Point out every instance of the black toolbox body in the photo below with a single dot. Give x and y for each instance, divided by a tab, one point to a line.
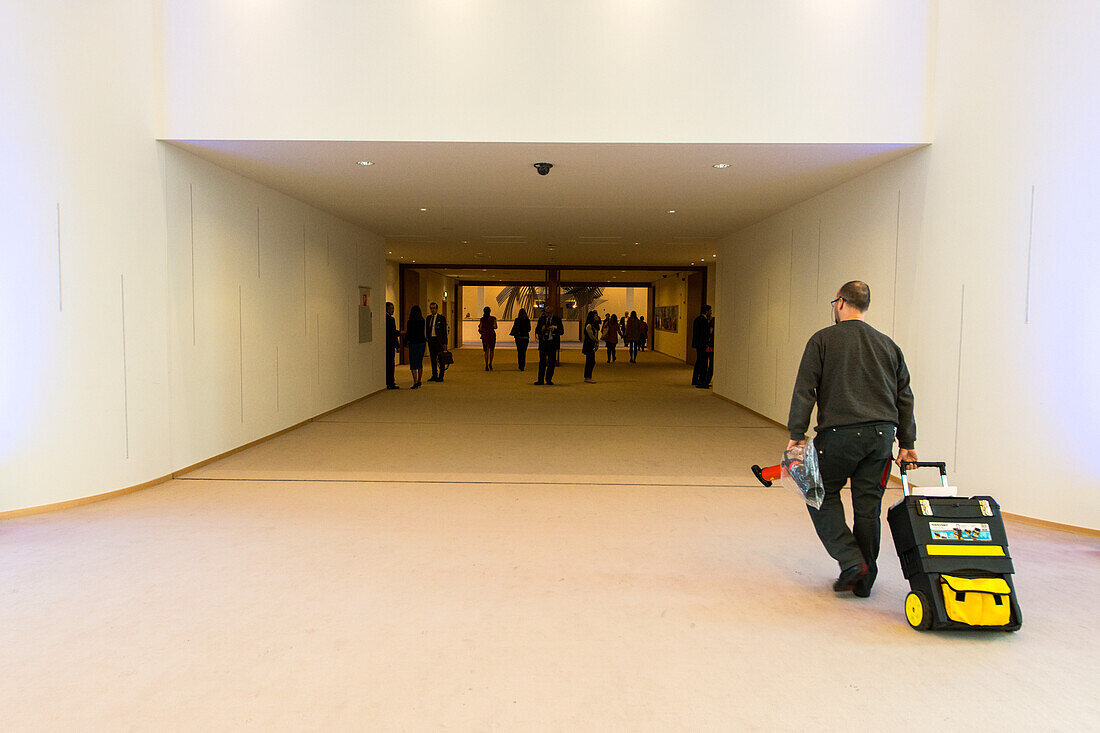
956	536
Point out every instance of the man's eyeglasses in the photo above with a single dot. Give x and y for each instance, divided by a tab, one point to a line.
834	300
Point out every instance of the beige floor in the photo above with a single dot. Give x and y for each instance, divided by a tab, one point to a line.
488	555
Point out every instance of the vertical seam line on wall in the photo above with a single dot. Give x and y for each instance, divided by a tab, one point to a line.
258	242
125	376
347	338
790	288
305	285
775	390
60	306
817	293
240	340
897	247
767	313
958	377
1030	231
191	205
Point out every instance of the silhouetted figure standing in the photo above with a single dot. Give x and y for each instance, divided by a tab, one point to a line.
393	343
548	332
415	339
521	332
700	340
590	344
487	328
436	330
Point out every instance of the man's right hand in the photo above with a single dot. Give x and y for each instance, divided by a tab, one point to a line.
906	455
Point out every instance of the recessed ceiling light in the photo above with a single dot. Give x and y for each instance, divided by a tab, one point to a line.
390	252
465	242
672	211
423	209
691	263
366	162
721	165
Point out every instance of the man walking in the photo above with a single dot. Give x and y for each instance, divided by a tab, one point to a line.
436	327
548	332
700	339
858	379
393	342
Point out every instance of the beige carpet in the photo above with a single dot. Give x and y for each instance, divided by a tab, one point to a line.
489	555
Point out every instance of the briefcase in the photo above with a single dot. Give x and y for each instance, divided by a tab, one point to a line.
446	358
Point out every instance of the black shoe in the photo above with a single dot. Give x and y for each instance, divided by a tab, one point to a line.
549	382
415	386
392	386
540	383
863	585
850	577
700	386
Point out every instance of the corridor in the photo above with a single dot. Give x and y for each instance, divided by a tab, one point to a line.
485	554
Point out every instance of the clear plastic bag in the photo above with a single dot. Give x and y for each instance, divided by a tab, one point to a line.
800	475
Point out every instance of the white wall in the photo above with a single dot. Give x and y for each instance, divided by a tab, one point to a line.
265	330
993	307
96	389
567	71
672	290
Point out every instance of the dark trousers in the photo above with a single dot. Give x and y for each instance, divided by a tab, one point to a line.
521	352
390	354
611	352
435	347
860	454
548	360
634	350
701	374
589	362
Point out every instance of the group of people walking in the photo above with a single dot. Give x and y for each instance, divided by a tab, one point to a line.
430	334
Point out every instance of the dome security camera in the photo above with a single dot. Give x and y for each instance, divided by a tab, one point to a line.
543	168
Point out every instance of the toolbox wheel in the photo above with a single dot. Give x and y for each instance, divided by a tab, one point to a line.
917	611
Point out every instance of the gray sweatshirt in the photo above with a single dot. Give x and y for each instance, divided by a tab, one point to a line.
856	375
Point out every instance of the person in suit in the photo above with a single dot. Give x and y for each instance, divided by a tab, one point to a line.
700	340
548	332
521	332
393	343
436	332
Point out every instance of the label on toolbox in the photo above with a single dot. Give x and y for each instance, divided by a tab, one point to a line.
959	531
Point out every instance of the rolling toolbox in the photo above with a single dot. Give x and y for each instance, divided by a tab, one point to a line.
954	553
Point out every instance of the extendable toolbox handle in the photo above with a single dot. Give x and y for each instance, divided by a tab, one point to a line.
922	464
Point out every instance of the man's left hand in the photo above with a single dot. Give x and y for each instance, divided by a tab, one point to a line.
793	443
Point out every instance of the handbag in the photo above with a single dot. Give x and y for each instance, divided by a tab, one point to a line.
446	358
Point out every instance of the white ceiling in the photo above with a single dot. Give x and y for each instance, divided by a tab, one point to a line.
601	204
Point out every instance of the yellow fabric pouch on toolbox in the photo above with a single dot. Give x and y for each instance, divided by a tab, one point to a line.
976	601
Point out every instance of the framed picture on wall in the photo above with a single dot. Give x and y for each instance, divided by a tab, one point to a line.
366	317
666	317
